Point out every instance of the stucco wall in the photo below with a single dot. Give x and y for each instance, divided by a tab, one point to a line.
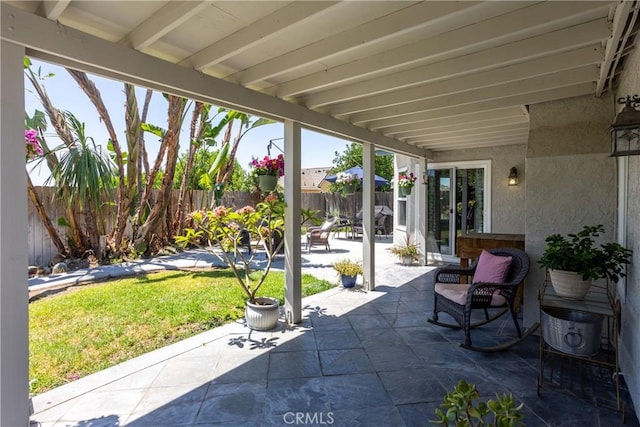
571	180
507	203
630	336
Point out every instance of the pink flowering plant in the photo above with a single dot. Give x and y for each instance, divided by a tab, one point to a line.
268	166
406	181
227	233
33	147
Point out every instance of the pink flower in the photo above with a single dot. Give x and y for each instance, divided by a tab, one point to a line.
33	147
246	210
268	166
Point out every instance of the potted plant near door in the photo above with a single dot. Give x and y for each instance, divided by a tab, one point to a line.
575	260
348	271
223	230
408	251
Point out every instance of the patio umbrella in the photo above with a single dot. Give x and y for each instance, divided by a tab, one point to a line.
357	171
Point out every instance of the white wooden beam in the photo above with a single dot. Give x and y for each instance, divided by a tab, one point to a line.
51	9
467	145
455	121
14	294
522	48
169	17
57	43
292	254
403	21
590	55
260	31
470	136
470	128
560	79
619	24
481	141
457	110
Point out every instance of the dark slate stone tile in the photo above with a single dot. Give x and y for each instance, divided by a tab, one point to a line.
449	375
181	409
350	361
330	323
516	377
378	416
391	358
294	364
296	395
253	370
241	404
337	340
441	353
401	319
387	307
363	310
412	386
356	391
419	414
367	321
561	408
378	336
422	334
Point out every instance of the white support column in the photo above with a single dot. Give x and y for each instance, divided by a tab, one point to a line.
14	296
421	208
292	252
368	215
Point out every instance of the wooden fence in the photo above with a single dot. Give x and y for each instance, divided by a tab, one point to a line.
42	250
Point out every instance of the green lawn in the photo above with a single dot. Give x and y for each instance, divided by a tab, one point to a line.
91	328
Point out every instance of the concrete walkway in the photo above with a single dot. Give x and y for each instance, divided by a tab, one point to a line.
357	359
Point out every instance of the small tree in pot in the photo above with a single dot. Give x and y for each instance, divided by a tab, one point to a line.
578	254
224	232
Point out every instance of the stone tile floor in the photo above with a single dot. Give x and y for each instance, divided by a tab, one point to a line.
358	358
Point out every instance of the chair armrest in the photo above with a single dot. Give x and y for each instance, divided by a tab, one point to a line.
482	292
451	274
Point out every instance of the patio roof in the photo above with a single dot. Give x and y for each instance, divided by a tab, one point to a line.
408	76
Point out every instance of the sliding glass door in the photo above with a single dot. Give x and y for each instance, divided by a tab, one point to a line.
458	202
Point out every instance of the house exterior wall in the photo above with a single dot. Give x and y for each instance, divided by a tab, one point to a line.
630	335
571	180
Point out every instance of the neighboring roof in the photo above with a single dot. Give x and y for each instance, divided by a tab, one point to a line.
312	177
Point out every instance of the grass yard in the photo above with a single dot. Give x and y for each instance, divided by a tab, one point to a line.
90	328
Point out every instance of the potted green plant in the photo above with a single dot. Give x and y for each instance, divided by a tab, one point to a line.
223	231
348	271
408	251
268	171
574	261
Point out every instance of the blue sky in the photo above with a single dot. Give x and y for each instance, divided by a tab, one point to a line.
317	149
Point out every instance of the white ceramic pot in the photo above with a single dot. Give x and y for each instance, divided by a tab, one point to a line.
263	315
407	260
569	284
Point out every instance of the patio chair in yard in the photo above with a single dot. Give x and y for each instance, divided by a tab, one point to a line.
320	235
497	282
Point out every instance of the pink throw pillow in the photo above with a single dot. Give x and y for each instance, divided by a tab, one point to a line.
491	268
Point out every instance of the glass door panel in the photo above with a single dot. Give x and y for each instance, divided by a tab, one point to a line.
469	201
439	210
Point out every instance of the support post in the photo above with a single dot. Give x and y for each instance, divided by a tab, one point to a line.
14	295
368	215
292	251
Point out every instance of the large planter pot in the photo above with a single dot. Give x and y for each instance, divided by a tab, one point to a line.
348	281
263	314
267	182
348	189
569	284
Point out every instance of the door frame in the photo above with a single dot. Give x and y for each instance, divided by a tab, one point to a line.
469	164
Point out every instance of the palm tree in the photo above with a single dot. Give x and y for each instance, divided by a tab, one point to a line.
83	175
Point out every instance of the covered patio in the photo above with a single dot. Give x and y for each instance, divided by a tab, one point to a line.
531	85
357	358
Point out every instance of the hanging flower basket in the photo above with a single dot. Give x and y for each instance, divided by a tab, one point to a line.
267	183
405	191
406	183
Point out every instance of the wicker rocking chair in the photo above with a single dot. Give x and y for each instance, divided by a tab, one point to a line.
459	300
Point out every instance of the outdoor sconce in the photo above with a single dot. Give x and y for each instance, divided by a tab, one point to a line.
625	130
513	176
425	178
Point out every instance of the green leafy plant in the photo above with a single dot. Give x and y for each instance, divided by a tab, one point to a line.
406	248
347	267
579	253
460	409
